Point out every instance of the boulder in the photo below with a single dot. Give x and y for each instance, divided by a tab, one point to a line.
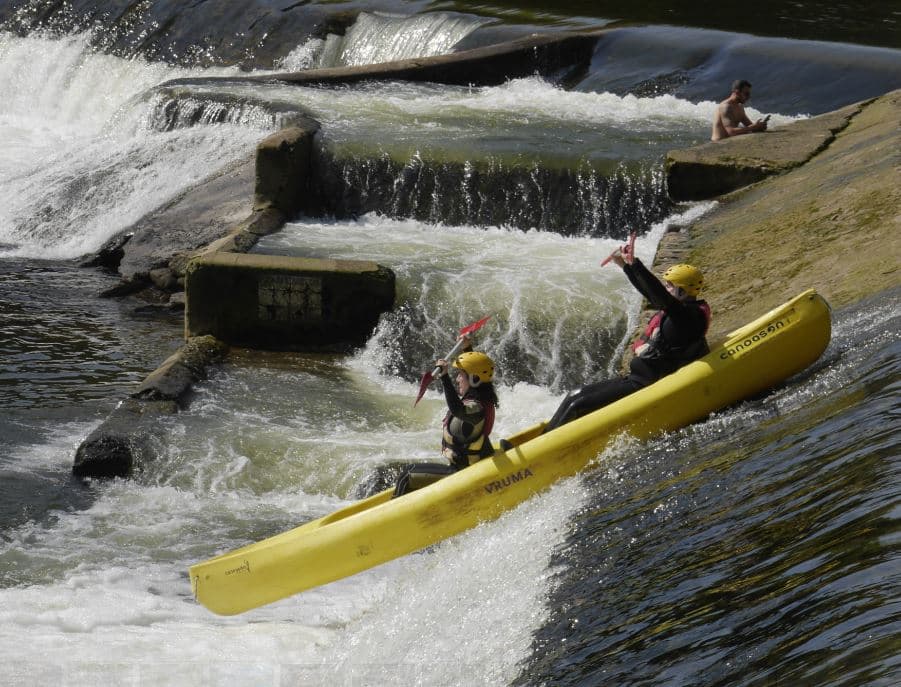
121	442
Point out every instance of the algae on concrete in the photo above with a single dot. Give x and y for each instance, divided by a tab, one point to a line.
832	223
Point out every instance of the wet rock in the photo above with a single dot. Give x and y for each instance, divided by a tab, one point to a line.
177	301
381	478
164	278
110	254
125	287
122	442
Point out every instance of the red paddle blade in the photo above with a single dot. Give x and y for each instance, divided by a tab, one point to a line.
429	376
423	385
475	326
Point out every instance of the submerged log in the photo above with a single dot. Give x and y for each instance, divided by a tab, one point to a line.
122	443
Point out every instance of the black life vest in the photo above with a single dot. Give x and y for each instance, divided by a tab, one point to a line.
652	344
464	443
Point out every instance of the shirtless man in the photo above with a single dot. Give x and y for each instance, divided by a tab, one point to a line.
730	118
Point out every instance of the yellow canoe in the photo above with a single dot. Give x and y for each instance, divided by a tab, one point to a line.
378	529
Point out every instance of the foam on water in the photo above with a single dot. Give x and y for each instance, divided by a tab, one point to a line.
85	161
519	104
103	588
122	596
248	461
547	294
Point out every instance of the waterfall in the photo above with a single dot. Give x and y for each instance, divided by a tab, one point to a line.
583	200
104	154
169	109
377	37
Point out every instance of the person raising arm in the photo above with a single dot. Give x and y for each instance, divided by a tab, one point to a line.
675	336
466	429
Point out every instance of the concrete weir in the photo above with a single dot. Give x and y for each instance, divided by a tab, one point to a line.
277	302
237	298
713	169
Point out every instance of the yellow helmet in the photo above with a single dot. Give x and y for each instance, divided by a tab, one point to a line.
478	366
687	278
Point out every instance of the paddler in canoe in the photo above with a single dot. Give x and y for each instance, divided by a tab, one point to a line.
467	425
674	337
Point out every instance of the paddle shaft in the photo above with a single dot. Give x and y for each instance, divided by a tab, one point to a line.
427	377
449	357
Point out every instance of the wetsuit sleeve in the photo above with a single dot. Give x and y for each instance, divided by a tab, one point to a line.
468	410
649	286
683	313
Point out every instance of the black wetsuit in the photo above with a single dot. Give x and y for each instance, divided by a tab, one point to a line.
677	340
465	439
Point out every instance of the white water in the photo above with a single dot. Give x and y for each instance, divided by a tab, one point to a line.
83	160
524	118
377	37
102	593
545	293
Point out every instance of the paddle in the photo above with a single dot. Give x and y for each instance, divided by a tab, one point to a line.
631	245
429	376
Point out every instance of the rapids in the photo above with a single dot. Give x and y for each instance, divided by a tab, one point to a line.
757	547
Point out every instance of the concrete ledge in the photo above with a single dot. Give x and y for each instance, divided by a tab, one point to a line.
544	54
285	303
122	443
713	169
831	224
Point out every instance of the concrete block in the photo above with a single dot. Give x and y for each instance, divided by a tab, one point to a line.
284	170
284	303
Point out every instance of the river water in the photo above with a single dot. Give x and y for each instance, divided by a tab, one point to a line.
757	547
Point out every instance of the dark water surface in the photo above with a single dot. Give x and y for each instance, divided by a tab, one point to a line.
762	550
68	357
63	346
868	22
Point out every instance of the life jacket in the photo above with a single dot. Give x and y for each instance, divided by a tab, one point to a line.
651	343
464	443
